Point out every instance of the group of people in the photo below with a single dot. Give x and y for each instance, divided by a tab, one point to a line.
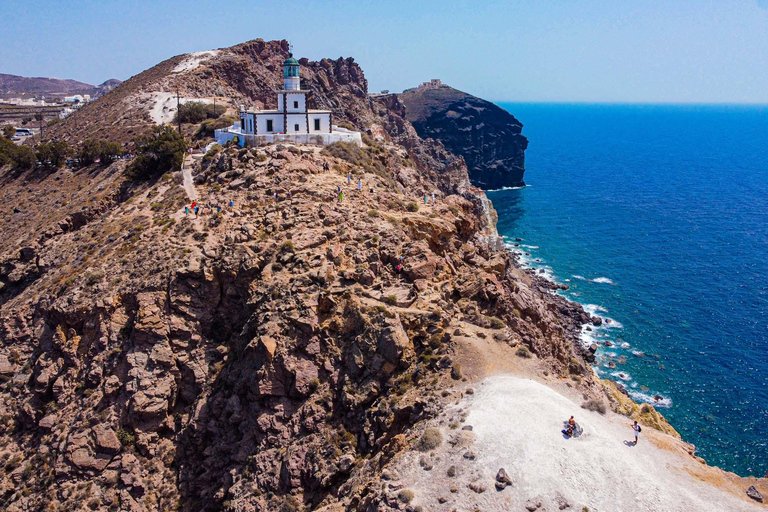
571	429
198	209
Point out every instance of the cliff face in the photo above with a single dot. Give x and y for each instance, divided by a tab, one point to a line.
487	136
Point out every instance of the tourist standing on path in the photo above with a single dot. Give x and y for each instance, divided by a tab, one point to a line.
186	211
349	179
274	196
433	198
425	198
231	203
636	428
197	208
341	195
360	185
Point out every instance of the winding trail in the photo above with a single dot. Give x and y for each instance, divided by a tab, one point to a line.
188	183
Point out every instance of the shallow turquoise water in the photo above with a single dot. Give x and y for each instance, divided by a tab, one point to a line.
657	217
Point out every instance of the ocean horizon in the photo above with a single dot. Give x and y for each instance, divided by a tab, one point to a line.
656	216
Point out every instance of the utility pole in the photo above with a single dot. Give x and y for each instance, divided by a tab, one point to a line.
178	109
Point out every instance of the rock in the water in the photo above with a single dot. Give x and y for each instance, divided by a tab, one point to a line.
754	494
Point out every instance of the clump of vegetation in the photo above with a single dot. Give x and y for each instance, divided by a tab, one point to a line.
159	151
594	405
288	246
52	155
522	351
208	126
406	495
197	111
431	439
645	409
497	323
456	372
413	207
126	436
99	149
19	157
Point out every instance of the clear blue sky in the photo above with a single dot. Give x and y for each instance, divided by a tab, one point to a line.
710	51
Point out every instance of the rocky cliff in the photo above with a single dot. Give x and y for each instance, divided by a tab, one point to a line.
488	137
264	357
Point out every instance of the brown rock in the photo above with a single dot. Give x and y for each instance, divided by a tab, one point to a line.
106	440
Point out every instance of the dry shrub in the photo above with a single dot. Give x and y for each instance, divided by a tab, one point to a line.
431	439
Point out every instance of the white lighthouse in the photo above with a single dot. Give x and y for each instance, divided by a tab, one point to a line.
291	121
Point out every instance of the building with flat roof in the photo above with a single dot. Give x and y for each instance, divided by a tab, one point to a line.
291	121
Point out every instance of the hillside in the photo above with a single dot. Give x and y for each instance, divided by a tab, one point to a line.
14	86
271	356
487	136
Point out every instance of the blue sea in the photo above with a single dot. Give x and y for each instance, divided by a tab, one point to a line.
657	219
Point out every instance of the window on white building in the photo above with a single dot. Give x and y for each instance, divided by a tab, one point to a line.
295	127
269	125
295	104
317	125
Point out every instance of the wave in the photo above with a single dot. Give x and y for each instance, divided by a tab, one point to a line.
622	375
603	280
657	401
593	309
507	188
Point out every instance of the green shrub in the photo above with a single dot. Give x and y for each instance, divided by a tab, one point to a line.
522	351
126	436
197	111
208	126
52	154
159	151
412	207
92	149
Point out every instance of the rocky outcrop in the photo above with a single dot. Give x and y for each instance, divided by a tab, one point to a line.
487	136
265	357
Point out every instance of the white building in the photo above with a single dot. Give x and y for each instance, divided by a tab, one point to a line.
292	121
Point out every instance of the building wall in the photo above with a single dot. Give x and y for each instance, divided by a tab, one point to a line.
296	119
277	123
325	123
293	98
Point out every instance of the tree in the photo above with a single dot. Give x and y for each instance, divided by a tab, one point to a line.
159	151
103	150
52	154
20	157
8	131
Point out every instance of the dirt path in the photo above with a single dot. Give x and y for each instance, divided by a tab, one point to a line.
188	182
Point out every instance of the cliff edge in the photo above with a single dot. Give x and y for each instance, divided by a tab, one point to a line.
488	137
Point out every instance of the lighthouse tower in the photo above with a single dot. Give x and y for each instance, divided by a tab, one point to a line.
291	121
291	74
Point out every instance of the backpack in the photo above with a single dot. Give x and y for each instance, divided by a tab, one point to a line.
639	428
